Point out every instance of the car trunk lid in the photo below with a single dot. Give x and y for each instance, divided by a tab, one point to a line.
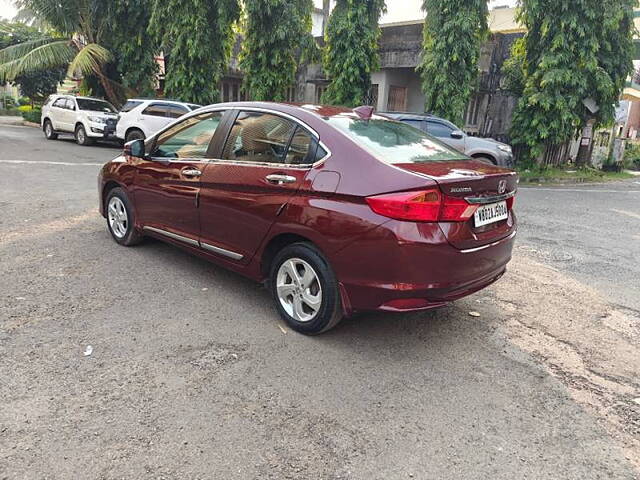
479	183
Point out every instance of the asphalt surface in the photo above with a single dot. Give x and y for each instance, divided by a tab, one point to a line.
192	375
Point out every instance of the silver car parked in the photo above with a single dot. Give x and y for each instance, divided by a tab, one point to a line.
486	149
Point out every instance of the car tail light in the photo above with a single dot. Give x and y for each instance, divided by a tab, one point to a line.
424	206
511	202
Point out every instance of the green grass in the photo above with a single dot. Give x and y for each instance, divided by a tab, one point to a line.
537	174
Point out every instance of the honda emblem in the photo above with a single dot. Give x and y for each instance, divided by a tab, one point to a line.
502	186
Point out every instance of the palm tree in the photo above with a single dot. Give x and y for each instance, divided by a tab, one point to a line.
77	30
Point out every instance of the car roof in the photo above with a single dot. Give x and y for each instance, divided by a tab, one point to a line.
417	116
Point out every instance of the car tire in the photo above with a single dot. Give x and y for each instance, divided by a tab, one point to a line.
48	130
81	136
310	302
134	134
120	218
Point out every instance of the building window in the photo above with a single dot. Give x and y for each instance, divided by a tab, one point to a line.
320	89
372	98
231	90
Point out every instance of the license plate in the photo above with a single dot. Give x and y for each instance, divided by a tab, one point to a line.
491	213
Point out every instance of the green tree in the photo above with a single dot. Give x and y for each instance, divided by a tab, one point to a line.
132	47
573	51
37	84
351	52
196	37
76	42
276	33
40	84
453	33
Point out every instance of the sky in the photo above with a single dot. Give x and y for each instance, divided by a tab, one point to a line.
397	10
7	10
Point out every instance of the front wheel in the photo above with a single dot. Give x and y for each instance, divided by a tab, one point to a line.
120	219
305	289
81	136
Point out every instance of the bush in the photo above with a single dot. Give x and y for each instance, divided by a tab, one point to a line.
25	108
632	156
24	101
7	102
32	115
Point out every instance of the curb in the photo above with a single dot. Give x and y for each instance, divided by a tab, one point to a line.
31	124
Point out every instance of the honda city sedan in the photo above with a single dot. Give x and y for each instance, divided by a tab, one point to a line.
336	210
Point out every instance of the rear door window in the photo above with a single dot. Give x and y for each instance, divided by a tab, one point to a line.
156	110
70	104
262	138
130	105
60	103
176	111
419	124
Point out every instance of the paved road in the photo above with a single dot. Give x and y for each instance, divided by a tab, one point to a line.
193	376
591	232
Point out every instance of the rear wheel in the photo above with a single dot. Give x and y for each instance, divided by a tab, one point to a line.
81	136
120	219
305	289
49	132
134	134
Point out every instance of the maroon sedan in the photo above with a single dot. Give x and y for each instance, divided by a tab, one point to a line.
336	210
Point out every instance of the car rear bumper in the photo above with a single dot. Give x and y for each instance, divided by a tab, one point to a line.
413	267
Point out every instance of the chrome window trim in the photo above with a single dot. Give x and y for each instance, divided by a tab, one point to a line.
195	243
494	244
493	199
174	236
200	111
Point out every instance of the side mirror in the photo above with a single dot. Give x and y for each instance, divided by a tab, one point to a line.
135	148
457	134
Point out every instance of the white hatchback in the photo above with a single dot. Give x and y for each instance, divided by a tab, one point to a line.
88	119
141	118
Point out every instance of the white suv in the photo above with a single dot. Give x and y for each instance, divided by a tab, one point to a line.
88	119
140	118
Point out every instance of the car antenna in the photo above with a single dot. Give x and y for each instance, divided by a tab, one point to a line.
364	112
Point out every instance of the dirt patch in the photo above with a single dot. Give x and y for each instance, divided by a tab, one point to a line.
592	347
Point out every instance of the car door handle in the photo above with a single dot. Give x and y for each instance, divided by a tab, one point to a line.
280	179
191	172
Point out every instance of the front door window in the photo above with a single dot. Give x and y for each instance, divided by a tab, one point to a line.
188	139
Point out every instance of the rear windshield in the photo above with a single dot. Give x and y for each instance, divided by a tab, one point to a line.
95	105
130	105
394	142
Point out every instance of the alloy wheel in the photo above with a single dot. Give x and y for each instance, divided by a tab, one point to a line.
81	135
299	290
118	219
47	129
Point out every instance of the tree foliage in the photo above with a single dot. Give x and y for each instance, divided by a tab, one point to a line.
132	47
196	37
38	84
276	34
453	33
106	42
574	50
351	52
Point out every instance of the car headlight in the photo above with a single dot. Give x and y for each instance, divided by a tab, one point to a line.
98	119
505	148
